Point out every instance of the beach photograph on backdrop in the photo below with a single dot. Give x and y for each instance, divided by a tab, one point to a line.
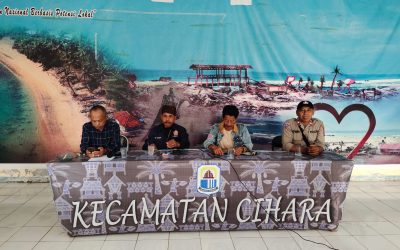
58	59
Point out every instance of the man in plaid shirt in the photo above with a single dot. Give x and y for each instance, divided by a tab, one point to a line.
100	133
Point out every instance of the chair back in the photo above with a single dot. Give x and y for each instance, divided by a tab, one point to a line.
124	142
276	142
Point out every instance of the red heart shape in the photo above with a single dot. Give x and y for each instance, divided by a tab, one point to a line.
339	117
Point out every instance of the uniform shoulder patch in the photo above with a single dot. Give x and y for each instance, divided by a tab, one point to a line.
286	124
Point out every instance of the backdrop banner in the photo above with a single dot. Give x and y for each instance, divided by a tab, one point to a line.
57	59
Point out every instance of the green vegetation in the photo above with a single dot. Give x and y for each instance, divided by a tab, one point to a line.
75	61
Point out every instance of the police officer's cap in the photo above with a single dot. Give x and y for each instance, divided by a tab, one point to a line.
305	104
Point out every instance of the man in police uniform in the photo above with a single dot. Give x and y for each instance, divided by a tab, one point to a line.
304	134
167	135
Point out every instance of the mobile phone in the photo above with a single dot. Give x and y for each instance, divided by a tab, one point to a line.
250	153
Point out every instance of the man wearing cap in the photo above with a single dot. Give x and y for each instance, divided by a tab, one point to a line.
228	134
304	134
167	135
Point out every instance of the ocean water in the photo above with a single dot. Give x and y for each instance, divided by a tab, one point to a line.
182	75
17	121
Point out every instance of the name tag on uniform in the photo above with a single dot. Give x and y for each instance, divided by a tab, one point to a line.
158	137
296	131
313	131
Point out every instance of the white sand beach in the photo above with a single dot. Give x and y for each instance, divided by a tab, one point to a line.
151	83
370	156
58	114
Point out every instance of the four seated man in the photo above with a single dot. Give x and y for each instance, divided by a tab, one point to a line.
303	134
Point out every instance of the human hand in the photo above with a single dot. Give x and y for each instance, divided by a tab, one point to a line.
99	152
172	144
89	153
238	151
314	150
95	152
216	150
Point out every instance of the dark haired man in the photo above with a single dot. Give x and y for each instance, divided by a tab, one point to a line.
304	134
101	135
228	134
167	135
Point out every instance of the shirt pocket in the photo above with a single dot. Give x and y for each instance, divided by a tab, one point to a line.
297	138
312	136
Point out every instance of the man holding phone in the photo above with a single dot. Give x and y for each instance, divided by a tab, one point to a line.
304	134
100	136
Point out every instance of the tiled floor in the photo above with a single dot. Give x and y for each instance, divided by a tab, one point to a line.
371	220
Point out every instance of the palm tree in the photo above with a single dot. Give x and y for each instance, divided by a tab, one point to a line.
116	89
156	169
67	76
340	84
322	80
259	170
102	71
67	72
335	71
299	83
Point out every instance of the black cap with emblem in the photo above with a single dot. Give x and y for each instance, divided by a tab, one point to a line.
305	104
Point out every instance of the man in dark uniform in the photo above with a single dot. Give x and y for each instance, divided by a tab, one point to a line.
167	135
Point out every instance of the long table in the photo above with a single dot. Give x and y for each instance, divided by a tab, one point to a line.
191	190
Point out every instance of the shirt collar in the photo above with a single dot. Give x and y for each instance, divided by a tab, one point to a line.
221	128
172	127
310	123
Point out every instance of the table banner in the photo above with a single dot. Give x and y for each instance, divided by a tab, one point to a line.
192	191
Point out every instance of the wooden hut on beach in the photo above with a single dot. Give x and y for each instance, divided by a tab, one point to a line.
210	75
